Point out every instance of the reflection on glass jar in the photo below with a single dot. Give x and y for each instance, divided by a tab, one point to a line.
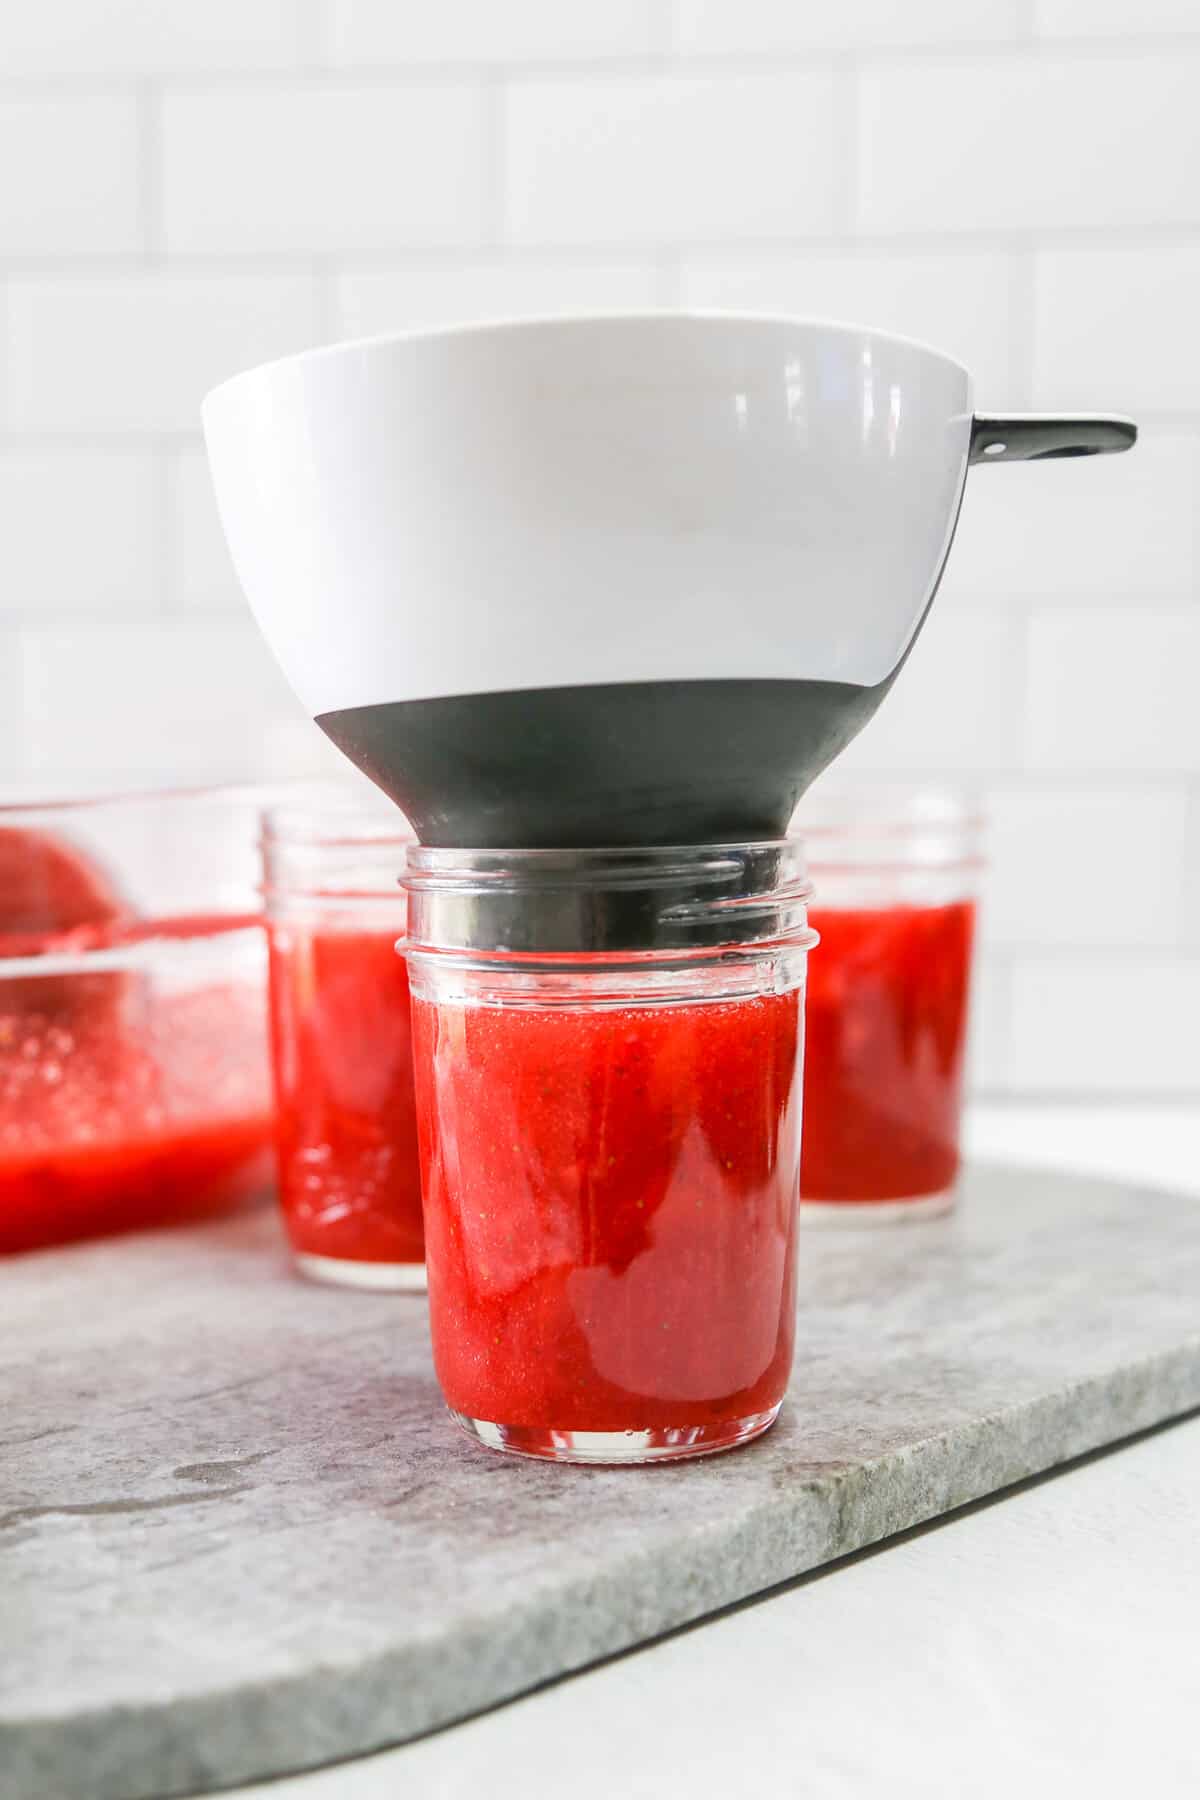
895	876
608	1094
349	1177
134	1084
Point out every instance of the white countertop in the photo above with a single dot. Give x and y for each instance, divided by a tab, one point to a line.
1048	1640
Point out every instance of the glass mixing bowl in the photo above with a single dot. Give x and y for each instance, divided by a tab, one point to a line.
134	1074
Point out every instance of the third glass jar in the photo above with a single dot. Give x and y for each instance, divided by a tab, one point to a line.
895	875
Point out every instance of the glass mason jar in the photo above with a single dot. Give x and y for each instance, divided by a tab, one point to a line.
134	1082
607	1046
895	874
349	1177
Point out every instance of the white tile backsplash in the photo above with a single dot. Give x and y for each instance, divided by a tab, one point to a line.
958	706
77	531
374	300
185	698
1084	529
1134	317
199	573
323	169
137	352
668	159
148	37
989	1044
1113	18
1106	1024
489	31
1114	690
1022	143
733	27
1082	866
959	300
1190	885
69	175
187	189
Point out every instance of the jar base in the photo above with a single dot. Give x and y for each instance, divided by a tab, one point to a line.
662	1443
343	1271
878	1212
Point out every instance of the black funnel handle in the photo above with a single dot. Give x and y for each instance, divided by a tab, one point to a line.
1026	437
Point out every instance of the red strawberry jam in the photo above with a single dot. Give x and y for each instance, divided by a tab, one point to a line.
151	1113
610	1205
349	1177
886	1032
53	899
126	1098
47	886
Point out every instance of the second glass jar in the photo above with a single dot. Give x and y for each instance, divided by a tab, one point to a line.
349	1179
607	1048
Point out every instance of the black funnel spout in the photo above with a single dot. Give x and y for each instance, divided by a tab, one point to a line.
636	763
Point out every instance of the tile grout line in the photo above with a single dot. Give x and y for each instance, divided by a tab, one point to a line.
1022	300
1064	240
164	473
313	48
1024	658
151	173
315	63
668	279
494	175
1189	932
5	361
999	965
1026	1093
327	320
847	126
663	34
1025	31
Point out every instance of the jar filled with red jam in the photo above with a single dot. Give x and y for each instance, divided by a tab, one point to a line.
895	875
346	1136
607	1047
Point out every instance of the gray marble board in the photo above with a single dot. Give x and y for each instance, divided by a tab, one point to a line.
238	1535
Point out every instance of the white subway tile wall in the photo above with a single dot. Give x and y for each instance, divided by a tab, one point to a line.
190	691
959	704
370	300
1130	315
1091	1023
120	38
1096	867
397	32
960	301
1114	691
134	352
78	533
723	27
668	159
1041	142
323	169
1112	18
1090	530
199	573
70	180
187	189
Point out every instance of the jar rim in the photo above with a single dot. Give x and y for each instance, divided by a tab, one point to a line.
433	866
607	899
